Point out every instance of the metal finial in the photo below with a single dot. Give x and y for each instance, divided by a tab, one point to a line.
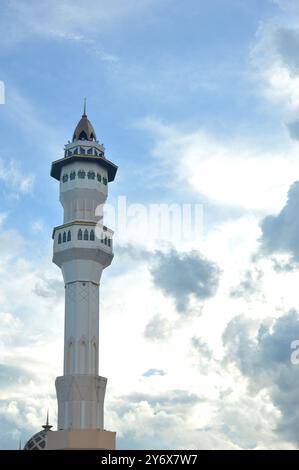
47	426
84	109
20	444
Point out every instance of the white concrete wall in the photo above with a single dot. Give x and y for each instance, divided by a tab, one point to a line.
81	392
80	197
81	341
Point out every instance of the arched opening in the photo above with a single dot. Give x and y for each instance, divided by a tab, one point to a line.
59	239
85	234
80	234
69	236
91	175
64	237
92	237
83	135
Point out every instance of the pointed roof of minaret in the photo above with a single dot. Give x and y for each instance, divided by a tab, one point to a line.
84	129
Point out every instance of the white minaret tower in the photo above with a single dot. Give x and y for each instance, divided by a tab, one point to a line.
82	249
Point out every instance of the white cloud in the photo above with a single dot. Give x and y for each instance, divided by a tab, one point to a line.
153	411
273	53
218	420
237	172
37	226
68	20
14	178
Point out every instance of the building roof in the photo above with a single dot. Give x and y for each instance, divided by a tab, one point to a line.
39	440
59	164
84	129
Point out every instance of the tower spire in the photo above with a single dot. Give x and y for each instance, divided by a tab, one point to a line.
47	426
84	108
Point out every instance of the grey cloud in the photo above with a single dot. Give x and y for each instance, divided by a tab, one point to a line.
178	275
153	372
181	275
15	419
172	398
264	357
293	128
49	288
201	347
10	433
250	284
280	233
12	375
287	47
157	329
162	418
287	43
202	356
283	266
133	253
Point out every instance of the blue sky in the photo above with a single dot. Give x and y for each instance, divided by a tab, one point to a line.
196	102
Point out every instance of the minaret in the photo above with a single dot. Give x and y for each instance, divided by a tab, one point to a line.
82	249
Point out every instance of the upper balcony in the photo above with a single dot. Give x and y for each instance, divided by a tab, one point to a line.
83	234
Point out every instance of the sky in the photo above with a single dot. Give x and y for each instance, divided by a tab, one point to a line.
197	102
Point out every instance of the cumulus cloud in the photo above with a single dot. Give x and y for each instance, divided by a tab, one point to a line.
14	178
158	328
156	420
183	275
262	352
13	375
49	288
280	233
165	400
241	159
249	285
293	128
201	347
283	264
287	43
275	59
